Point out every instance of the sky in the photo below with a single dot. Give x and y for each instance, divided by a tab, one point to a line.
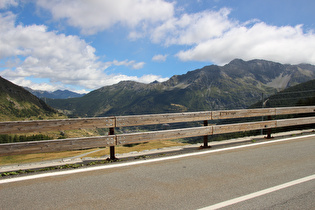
83	45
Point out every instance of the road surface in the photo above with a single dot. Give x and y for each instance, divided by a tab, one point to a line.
279	174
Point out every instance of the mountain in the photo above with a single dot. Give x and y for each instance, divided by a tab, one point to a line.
233	86
16	103
58	94
299	95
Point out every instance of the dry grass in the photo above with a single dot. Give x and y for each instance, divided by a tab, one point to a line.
29	158
140	147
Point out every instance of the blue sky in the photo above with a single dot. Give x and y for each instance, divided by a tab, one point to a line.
82	45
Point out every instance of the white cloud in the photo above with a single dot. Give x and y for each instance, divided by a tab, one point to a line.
212	36
133	64
97	15
7	3
159	58
46	54
138	65
285	44
209	35
113	79
33	52
21	81
150	78
192	28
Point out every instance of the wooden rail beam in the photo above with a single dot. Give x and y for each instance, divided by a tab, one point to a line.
162	135
295	110
242	113
121	139
56	145
50	125
133	120
231	128
295	121
208	130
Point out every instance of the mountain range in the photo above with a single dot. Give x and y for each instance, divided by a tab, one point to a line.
58	94
235	85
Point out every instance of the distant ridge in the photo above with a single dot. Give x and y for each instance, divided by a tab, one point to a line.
233	86
58	94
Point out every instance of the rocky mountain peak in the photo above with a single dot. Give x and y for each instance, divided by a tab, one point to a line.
232	86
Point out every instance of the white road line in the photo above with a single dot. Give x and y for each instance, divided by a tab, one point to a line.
16	179
259	193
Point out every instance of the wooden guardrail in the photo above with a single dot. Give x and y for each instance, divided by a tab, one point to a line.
113	139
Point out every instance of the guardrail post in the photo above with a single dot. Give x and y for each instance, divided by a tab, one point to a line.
205	138
112	148
269	131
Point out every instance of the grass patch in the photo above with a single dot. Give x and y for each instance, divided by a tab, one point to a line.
139	147
15	159
29	158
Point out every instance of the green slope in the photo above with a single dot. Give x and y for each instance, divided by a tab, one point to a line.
18	104
299	95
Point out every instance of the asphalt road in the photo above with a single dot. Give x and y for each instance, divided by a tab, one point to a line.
277	175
